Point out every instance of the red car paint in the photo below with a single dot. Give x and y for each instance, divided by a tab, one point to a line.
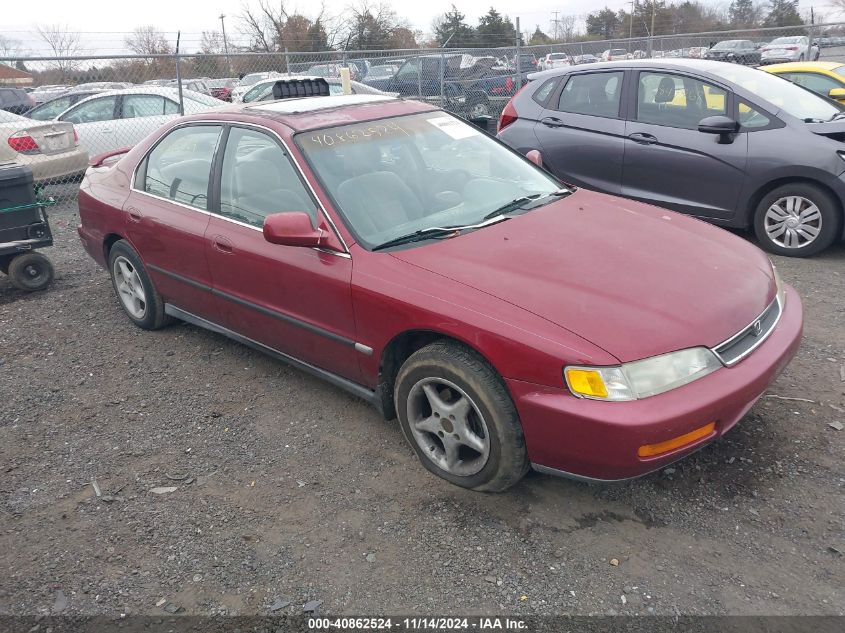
587	280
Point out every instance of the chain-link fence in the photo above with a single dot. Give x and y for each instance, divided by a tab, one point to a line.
74	108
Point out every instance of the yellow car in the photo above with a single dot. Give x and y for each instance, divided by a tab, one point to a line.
824	78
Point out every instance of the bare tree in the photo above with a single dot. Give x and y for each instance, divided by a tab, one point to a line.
567	28
148	40
270	27
10	47
63	43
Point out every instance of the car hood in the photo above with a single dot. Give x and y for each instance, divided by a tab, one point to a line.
633	279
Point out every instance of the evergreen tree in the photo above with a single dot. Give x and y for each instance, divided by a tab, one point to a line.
743	13
783	13
538	38
494	30
604	23
452	28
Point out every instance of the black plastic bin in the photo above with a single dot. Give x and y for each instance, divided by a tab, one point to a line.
17	189
24	227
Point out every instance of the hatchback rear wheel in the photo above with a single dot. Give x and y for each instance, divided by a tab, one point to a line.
457	415
797	220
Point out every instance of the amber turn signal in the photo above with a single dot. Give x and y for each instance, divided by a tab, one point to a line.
650	450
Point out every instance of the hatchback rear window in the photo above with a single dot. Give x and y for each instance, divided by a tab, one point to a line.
541	95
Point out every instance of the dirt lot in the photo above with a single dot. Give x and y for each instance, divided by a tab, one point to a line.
287	488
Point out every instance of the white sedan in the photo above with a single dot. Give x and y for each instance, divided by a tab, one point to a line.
555	60
121	118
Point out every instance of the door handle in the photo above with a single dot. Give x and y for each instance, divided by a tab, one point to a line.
642	138
222	244
134	214
551	121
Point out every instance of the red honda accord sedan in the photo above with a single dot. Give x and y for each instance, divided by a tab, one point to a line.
506	319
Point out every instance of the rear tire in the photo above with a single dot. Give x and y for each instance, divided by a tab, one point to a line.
456	413
797	220
134	289
30	272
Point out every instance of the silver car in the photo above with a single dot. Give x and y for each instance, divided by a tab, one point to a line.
785	49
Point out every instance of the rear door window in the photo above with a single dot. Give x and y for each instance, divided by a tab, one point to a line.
597	94
179	167
99	109
137	106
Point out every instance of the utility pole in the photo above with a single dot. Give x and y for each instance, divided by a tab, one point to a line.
225	43
555	24
631	24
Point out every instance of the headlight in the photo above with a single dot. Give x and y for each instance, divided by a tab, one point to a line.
642	378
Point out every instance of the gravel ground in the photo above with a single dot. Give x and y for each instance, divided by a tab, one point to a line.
288	489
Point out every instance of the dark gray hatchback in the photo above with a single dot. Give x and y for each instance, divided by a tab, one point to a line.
729	144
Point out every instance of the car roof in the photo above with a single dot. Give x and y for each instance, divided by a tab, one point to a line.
664	63
308	113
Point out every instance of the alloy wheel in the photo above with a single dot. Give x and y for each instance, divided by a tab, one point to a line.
448	426
793	222
129	287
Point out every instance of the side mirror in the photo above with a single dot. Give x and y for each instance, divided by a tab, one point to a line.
724	126
836	93
535	157
293	228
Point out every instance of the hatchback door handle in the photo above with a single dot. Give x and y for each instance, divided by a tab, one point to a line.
551	121
221	244
642	138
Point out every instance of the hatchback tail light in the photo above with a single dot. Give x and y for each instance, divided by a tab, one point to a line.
509	114
23	143
792	48
75	136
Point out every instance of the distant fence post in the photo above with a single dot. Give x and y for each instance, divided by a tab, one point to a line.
179	75
287	61
650	45
419	75
442	79
809	55
517	58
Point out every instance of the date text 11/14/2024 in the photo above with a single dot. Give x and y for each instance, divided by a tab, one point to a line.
417	624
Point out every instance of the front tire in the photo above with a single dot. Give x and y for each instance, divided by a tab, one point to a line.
456	413
134	288
797	220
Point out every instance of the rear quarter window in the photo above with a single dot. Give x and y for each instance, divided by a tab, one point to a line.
541	95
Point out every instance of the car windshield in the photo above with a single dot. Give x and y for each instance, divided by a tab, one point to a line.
394	177
726	45
248	80
792	99
220	83
787	40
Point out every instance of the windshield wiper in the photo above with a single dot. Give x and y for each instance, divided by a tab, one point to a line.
837	116
519	203
420	235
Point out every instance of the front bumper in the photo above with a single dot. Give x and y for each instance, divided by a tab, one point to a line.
597	440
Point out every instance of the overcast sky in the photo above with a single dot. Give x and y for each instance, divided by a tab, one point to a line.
100	20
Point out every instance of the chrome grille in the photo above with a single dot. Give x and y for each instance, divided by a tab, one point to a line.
750	337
